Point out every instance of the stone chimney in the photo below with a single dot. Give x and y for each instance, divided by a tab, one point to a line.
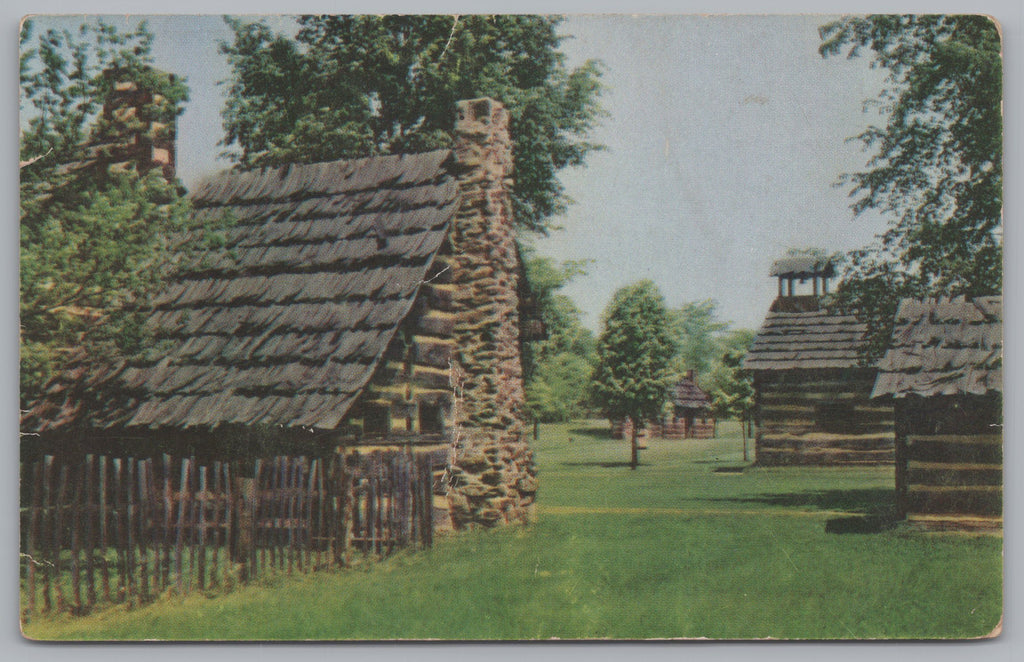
493	475
138	125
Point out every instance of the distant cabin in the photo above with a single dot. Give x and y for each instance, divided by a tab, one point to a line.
690	418
943	372
691	412
812	396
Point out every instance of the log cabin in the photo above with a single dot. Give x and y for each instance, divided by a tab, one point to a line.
374	301
691	411
690	417
812	392
943	373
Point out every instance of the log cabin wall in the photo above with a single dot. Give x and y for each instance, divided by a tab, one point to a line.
943	371
822	416
949	456
413	383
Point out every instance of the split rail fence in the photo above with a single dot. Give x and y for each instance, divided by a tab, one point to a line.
125	530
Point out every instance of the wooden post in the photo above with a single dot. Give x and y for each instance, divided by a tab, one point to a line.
45	548
743	433
104	530
201	525
179	541
129	533
215	524
143	522
168	514
32	546
120	542
76	542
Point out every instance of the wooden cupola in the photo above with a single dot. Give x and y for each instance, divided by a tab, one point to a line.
790	270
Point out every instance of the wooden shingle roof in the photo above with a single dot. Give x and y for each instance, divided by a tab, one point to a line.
802	266
286	323
944	347
688	395
813	339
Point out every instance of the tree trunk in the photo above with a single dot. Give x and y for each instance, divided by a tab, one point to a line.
633	453
743	433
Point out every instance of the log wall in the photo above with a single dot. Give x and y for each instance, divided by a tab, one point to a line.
702	428
949	457
821	417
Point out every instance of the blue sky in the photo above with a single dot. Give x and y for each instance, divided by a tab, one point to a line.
725	137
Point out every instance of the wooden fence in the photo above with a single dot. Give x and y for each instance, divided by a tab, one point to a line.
125	530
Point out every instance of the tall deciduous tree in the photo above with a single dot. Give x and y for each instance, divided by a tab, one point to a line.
92	239
632	375
936	168
347	86
697	332
730	386
557	369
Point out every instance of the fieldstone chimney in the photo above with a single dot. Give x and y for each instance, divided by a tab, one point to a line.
493	474
138	125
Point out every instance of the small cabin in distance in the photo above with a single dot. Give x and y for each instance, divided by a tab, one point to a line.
691	411
690	417
811	390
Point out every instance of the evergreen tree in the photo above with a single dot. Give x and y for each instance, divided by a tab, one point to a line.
936	168
632	376
349	86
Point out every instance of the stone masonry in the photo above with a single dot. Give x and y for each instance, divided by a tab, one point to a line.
493	477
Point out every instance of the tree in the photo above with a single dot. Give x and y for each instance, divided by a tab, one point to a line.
697	333
348	86
93	240
557	369
936	167
730	386
632	376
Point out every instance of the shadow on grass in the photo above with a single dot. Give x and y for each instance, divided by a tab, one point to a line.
872	510
874	501
603	465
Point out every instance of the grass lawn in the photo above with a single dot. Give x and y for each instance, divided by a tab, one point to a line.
673	549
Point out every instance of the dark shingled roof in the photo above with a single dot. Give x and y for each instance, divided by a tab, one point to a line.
688	395
802	266
944	347
813	339
286	323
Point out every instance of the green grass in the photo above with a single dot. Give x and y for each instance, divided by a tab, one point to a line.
672	549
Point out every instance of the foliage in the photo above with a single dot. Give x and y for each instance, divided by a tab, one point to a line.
632	375
348	86
696	331
936	168
557	369
731	388
92	238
